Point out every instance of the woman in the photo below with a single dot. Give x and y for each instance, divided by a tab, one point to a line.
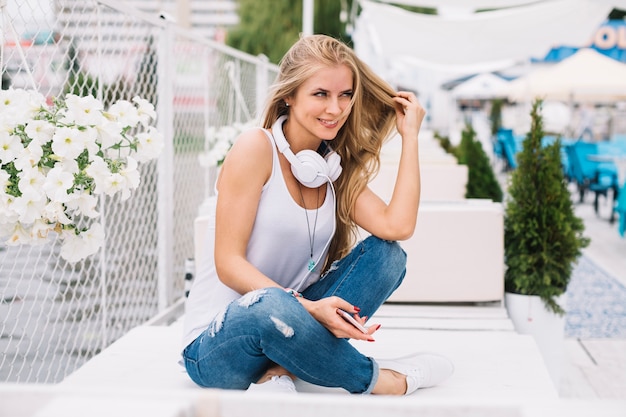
268	308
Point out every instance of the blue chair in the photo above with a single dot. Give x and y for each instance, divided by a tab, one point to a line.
589	175
513	144
505	146
620	209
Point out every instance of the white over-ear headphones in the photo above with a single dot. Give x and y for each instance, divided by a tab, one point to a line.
307	166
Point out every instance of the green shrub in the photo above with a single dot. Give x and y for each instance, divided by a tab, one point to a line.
481	181
445	143
543	237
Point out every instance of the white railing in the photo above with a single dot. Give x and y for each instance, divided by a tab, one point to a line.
54	315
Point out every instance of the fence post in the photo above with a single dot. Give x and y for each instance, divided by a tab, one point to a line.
165	167
262	85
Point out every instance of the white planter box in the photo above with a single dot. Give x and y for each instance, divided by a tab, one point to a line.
530	316
439	182
456	253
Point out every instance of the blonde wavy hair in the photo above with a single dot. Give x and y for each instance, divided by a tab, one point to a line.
370	121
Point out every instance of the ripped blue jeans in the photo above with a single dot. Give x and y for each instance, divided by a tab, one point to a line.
269	326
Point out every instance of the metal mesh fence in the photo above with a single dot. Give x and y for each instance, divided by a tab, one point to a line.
55	315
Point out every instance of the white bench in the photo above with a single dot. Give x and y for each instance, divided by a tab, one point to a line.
491	359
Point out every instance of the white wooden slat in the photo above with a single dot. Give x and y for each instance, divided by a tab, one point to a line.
417	310
442	324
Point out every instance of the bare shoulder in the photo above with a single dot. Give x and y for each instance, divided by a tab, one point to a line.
252	141
251	155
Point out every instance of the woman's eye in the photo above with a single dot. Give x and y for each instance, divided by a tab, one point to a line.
320	94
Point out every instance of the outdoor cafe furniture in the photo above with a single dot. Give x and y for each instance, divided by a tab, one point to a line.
590	173
615	152
507	145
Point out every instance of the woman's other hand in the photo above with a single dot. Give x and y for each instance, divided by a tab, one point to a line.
326	312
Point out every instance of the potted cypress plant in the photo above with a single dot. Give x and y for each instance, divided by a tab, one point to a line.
543	239
481	181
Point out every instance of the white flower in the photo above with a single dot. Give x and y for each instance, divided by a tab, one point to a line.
55	161
77	247
8	216
115	183
67	165
31	180
90	137
99	171
84	204
227	134
219	143
145	110
126	179
131	176
29	206
18	235
54	213
19	106
109	133
39	232
68	142
149	145
5	180
30	157
40	131
57	184
10	147
125	113
84	111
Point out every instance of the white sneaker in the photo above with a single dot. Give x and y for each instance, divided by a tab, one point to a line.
275	384
422	370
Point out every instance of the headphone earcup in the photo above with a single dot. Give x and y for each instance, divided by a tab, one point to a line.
333	160
312	171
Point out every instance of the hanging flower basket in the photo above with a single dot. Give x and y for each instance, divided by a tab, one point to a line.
219	141
56	160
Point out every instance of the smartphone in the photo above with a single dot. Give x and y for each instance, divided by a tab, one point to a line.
348	317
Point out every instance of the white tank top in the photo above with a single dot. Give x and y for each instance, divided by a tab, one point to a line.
279	246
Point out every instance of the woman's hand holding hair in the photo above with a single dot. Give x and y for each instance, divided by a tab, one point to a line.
325	311
396	219
409	114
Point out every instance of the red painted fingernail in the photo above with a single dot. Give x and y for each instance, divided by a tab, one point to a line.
378	327
356	309
370	340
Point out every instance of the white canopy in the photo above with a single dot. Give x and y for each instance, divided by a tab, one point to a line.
481	87
461	6
586	76
385	33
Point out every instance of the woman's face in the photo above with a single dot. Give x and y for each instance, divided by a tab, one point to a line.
318	105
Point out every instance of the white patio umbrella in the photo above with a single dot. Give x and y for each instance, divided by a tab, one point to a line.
481	87
586	76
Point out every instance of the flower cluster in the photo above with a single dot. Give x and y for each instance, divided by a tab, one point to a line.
56	160
219	143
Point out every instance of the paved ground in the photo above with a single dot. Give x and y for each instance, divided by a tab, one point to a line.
596	368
